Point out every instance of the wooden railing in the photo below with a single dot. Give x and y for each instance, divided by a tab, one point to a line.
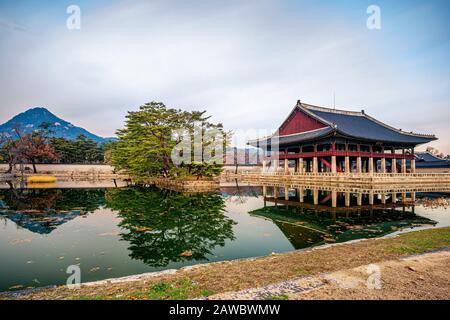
350	174
339	153
349	178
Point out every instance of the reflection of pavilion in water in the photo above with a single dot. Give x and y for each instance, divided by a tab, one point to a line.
334	197
313	215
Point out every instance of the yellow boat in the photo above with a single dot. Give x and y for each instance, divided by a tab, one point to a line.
41	179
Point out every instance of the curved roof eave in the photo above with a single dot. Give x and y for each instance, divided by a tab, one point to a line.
346	135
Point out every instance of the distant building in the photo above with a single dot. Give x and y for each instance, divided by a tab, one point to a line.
318	139
428	162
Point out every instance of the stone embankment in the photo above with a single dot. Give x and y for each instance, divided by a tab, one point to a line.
195	186
66	171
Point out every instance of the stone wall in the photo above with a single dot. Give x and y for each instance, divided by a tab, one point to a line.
194	186
69	171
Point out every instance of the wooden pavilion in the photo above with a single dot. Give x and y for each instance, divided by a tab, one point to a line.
317	139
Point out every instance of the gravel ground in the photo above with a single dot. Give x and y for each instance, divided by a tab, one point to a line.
424	276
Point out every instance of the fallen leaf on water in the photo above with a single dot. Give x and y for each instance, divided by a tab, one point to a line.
19	241
143	229
61	258
108	234
95	269
186	253
19	286
30	261
36	281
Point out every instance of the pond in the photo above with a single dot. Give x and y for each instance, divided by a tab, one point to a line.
113	232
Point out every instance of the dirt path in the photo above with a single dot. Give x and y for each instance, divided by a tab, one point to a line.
424	276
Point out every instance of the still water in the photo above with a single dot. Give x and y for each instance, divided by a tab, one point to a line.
113	232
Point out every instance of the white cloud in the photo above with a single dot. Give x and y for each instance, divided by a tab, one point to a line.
245	62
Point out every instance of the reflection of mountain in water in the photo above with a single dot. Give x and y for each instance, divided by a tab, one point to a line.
165	226
43	210
305	227
42	223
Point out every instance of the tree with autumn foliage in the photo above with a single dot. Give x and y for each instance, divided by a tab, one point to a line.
30	148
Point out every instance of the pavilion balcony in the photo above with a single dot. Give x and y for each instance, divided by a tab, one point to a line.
283	155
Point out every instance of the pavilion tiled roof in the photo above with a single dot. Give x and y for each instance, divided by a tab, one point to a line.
361	125
428	160
350	124
427	156
292	138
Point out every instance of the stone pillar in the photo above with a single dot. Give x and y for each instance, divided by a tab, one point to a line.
316	196
371	198
300	195
315	165
371	167
300	165
383	198
264	191
333	199
275	192
413	196
359	199
286	166
347	164
394	197
383	165
286	193
358	164
403	197
347	199
333	164
403	165
413	165
394	166
264	166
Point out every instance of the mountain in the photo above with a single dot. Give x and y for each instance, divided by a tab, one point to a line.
31	119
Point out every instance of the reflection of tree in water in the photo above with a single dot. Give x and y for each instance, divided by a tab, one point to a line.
42	210
165	226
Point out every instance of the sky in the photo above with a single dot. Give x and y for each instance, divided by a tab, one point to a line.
245	62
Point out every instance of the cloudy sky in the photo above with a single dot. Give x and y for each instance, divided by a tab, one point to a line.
245	62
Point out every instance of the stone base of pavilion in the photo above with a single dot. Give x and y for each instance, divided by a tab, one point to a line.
348	178
278	186
186	186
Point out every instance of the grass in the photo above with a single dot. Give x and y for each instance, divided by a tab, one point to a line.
277	297
411	244
238	275
181	289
